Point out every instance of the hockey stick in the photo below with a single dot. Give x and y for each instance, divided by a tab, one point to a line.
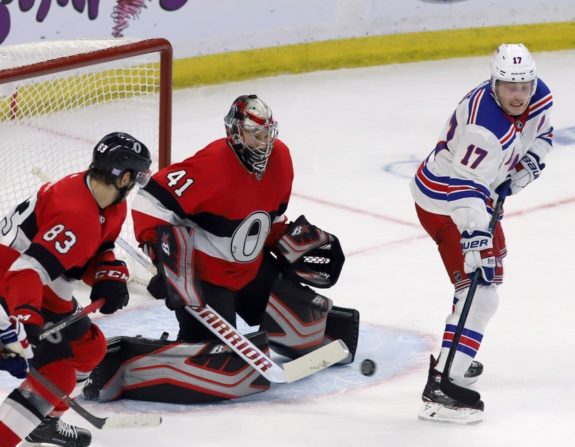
64	323
110	422
288	372
291	371
457	392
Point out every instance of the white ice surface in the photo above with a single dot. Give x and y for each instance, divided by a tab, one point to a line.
355	137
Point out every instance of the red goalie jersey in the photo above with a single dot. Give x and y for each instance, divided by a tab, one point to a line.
234	214
49	240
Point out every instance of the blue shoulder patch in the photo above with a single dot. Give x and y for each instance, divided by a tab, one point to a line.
541	100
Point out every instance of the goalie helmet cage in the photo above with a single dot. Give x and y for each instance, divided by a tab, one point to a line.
57	99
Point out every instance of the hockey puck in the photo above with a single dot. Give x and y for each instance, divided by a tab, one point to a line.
368	367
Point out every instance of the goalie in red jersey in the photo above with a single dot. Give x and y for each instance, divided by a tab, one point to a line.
53	239
248	261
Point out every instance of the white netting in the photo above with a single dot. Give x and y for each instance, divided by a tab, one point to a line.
52	122
30	53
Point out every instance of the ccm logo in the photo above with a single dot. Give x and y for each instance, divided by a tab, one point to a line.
111	274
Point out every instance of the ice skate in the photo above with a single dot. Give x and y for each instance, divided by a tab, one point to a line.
439	407
54	431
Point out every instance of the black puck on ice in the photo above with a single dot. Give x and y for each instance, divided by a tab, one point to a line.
368	367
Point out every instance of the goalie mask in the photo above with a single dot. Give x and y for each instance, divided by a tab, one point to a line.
251	132
312	256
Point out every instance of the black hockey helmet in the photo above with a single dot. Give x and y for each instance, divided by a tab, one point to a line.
119	152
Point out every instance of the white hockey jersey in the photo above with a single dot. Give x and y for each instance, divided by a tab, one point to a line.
479	147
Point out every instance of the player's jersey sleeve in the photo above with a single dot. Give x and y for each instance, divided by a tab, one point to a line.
279	224
162	200
540	110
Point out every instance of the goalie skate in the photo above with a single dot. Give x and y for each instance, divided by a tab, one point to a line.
438	407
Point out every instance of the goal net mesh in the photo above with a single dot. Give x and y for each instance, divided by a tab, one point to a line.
57	99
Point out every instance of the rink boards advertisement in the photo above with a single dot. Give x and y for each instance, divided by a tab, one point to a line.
200	27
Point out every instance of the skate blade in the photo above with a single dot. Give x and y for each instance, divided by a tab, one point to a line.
433	412
36	444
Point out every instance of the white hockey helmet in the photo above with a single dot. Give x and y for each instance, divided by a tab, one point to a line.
512	62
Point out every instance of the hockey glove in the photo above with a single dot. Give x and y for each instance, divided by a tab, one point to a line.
176	267
477	247
15	351
110	283
311	255
527	170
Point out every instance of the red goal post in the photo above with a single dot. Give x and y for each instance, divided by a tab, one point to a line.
58	98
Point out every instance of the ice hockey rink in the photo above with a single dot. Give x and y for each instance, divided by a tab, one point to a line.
356	137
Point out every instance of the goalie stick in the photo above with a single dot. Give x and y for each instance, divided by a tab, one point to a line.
291	371
109	422
457	392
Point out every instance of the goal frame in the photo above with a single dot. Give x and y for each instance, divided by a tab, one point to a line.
100	56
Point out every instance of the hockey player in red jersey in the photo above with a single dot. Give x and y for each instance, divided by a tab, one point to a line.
60	235
495	143
233	194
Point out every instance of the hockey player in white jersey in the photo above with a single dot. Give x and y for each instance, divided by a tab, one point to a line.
495	142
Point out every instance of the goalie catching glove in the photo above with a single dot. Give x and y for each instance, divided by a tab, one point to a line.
312	256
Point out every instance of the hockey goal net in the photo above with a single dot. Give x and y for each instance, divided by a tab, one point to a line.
57	99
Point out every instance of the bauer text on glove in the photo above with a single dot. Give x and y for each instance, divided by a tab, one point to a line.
527	170
477	247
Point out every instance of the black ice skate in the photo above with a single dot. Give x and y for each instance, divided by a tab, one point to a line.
439	407
57	432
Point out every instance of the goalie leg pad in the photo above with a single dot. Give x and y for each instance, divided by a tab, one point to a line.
166	371
295	318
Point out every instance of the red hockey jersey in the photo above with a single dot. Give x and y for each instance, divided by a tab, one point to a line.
233	213
48	241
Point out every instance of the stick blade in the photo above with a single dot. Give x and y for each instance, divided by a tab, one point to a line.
315	361
132	421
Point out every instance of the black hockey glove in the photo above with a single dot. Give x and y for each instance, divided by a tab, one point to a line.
312	256
110	283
